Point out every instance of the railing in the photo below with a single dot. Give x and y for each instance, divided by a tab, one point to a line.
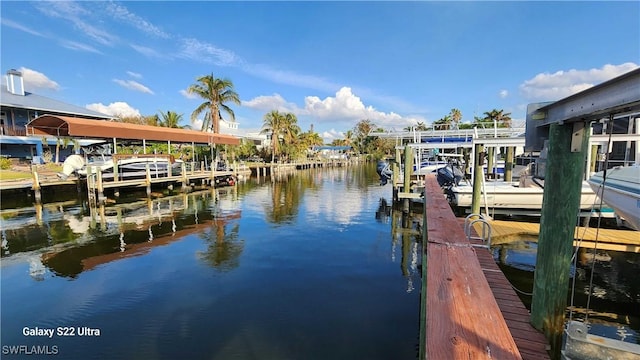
13	131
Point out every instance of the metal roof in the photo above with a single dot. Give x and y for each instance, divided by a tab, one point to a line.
31	101
76	127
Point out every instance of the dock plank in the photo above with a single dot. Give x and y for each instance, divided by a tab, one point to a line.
463	319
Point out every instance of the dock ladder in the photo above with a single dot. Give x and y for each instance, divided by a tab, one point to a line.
485	235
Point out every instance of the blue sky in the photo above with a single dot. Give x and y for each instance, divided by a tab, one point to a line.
330	63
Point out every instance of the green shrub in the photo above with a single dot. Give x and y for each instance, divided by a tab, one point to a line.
5	163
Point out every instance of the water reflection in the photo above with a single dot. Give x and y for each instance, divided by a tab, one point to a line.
224	273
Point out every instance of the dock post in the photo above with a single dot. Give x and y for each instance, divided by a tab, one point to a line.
91	195
508	164
100	186
408	170
148	172
477	178
115	169
36	183
593	159
562	190
490	163
185	181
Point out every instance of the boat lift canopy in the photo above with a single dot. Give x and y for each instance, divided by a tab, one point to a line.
76	127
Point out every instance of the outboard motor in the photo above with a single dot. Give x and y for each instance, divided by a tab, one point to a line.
71	164
384	171
448	177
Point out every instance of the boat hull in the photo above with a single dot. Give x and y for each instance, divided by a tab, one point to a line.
507	195
621	191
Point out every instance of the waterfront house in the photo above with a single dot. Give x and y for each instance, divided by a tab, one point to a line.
18	107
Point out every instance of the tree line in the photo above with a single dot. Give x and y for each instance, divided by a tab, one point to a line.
288	141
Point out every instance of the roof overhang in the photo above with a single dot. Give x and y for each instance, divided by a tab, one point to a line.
75	127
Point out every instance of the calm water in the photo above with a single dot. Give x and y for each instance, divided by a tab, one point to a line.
614	303
302	267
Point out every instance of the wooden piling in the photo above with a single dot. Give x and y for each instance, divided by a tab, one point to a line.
491	173
563	183
508	164
148	178
477	178
36	183
408	169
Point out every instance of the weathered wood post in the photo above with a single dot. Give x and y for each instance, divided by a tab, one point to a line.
477	178
563	182
100	186
408	169
148	172
508	164
491	173
185	180
36	183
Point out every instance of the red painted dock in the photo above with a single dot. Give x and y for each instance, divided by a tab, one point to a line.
470	310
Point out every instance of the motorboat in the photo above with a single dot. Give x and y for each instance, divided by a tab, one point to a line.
128	166
620	189
513	195
525	194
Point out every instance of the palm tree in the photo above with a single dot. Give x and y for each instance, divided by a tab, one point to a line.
280	125
499	116
456	116
170	119
216	93
443	124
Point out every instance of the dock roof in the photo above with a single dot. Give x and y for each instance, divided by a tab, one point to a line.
98	128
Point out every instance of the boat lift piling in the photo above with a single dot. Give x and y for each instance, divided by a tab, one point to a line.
565	124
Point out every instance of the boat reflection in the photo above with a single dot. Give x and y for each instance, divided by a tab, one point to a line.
72	241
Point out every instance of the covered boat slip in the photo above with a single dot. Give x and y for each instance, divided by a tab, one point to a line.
66	126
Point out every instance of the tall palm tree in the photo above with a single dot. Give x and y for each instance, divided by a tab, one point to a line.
456	116
170	119
273	124
216	93
280	125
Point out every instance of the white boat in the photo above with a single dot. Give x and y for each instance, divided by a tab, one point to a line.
621	191
513	195
128	166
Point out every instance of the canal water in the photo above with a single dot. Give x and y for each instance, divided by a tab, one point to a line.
604	288
305	266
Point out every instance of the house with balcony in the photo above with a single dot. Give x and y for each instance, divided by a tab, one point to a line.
18	107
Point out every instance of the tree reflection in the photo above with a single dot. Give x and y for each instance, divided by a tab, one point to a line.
286	195
223	245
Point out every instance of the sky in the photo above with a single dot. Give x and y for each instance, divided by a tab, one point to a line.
330	63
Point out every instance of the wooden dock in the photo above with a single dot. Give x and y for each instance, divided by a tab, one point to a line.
469	310
607	239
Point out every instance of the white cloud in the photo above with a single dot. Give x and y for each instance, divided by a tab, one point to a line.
148	52
20	27
503	94
187	94
561	84
331	135
118	108
271	102
121	13
289	78
77	15
133	85
347	106
73	45
37	80
134	74
200	51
